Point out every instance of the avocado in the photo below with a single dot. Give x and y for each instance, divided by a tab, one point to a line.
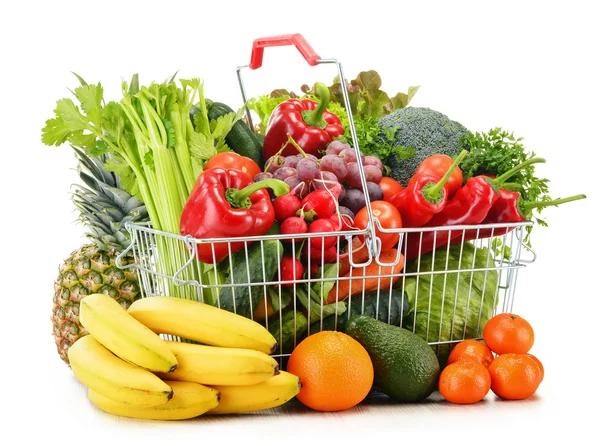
406	367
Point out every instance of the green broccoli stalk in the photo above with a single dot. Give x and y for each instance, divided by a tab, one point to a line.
426	131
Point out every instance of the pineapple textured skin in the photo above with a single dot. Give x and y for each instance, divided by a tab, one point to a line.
88	270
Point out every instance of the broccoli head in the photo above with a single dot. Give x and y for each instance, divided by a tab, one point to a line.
426	131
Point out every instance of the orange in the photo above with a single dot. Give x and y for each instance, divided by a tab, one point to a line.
508	333
471	351
515	376
335	371
464	382
540	365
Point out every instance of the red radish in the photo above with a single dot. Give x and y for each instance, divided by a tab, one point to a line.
321	201
314	269
322	225
286	206
317	257
342	222
293	225
291	270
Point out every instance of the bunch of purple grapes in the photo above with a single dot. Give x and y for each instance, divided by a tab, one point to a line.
338	171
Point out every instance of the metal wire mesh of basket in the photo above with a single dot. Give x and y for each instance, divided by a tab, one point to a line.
445	295
441	283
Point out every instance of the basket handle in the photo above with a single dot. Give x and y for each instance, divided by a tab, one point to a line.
259	45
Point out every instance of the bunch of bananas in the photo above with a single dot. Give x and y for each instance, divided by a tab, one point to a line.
131	371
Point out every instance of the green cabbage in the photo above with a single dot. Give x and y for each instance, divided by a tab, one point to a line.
460	303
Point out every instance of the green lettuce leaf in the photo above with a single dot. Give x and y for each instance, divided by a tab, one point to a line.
447	307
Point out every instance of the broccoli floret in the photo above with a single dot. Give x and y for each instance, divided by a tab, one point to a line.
426	131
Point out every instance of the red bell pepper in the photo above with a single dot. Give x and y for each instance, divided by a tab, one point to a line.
307	122
425	195
226	203
438	165
469	206
510	208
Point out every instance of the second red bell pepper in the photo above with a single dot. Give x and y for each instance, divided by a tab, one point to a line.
307	122
226	203
425	195
438	165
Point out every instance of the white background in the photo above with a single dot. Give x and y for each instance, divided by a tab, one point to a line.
529	67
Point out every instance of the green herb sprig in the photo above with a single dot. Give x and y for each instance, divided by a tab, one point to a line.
497	151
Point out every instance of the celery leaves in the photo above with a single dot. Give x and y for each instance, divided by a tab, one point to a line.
147	136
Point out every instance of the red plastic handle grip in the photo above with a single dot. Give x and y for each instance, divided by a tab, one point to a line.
258	48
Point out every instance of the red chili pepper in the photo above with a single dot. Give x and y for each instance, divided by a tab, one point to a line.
307	122
226	203
425	195
469	206
510	208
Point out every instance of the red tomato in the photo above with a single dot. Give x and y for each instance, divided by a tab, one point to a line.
390	187
388	217
438	165
232	160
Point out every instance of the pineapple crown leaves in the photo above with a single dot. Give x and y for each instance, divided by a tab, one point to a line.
103	206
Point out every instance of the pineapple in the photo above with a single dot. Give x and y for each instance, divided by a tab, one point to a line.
104	207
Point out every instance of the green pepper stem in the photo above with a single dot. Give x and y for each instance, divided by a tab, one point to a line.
509	173
435	190
239	198
293	142
543	204
512	186
314	118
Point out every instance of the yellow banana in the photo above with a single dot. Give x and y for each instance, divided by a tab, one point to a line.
270	393
220	365
112	377
202	323
109	323
189	400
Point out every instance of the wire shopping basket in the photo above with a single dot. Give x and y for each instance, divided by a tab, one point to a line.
442	283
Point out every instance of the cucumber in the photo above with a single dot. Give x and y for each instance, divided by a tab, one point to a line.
243	300
370	309
241	139
290	325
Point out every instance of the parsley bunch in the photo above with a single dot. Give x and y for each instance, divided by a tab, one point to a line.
498	151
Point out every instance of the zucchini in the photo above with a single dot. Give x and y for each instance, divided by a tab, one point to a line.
241	139
244	300
370	309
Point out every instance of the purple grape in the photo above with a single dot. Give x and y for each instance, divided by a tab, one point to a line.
374	191
325	180
312	157
342	195
350	156
335	147
301	190
292	161
292	181
371	160
354	200
274	163
307	169
284	172
372	173
353	177
335	164
344	210
262	176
